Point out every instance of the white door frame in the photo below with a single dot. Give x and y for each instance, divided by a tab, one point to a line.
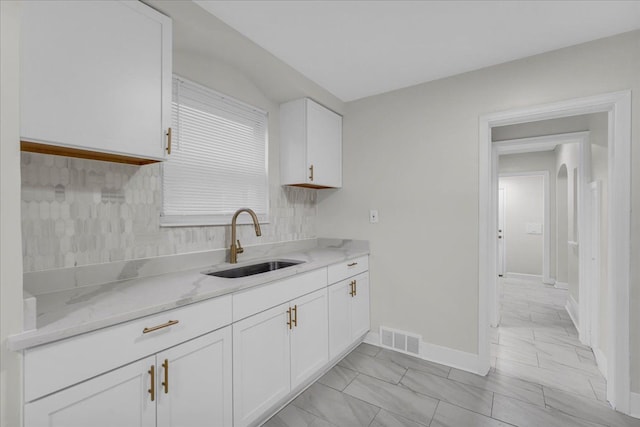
618	107
502	257
545	143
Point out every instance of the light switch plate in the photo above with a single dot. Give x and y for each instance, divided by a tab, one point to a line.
373	216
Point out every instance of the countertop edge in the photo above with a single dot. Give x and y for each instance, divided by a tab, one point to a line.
34	337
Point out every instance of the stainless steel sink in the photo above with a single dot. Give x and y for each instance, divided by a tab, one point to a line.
250	270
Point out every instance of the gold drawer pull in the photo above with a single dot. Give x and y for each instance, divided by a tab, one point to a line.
289	322
164	325
152	389
169	141
311	173
352	264
165	383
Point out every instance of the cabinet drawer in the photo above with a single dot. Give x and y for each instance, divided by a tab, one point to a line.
343	270
50	367
255	300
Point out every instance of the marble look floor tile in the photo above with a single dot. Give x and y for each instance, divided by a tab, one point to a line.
522	333
585	355
561	381
587	370
368	349
503	384
559	337
405	361
448	415
599	387
460	394
514	353
393	398
389	419
291	416
335	407
373	367
338	377
587	409
523	414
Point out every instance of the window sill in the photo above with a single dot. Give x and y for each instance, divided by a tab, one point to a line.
208	220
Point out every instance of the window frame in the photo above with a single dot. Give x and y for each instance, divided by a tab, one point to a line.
218	219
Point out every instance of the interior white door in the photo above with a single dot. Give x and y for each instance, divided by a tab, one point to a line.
339	317
194	382
119	398
360	323
501	241
261	363
309	336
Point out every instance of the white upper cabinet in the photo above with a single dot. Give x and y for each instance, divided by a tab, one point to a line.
95	78
310	145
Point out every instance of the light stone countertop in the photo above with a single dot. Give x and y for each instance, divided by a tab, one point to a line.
69	312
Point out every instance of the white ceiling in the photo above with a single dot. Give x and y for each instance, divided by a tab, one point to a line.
356	49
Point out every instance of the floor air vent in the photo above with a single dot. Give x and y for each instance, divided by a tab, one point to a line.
405	342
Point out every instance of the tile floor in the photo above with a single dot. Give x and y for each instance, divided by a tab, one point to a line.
541	376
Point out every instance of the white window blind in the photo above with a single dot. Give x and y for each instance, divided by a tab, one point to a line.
218	160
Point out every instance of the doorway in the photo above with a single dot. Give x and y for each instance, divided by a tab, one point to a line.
618	108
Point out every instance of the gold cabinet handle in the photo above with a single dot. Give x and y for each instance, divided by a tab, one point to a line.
289	322
164	325
165	383
352	292
169	141
352	264
311	173
152	389
295	316
355	288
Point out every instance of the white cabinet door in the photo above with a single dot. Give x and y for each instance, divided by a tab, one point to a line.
309	336
324	145
194	382
360	323
261	367
118	398
96	75
339	318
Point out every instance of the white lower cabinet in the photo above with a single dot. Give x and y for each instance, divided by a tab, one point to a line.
118	398
348	312
187	385
275	351
194	382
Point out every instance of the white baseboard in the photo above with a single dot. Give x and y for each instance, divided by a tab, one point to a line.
601	361
435	353
523	276
572	309
562	285
634	404
549	281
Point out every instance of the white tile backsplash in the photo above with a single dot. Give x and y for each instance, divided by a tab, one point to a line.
78	212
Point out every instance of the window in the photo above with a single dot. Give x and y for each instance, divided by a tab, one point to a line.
218	160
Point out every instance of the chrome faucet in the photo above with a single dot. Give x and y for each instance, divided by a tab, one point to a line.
235	250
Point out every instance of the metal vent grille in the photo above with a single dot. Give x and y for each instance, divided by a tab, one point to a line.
402	341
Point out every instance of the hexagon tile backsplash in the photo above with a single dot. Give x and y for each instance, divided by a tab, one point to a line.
78	212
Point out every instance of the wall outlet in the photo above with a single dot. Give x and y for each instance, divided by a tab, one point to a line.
373	216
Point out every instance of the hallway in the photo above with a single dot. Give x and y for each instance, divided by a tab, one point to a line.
541	377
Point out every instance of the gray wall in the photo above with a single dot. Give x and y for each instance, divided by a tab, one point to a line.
413	155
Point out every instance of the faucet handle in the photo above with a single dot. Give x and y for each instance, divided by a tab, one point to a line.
239	247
